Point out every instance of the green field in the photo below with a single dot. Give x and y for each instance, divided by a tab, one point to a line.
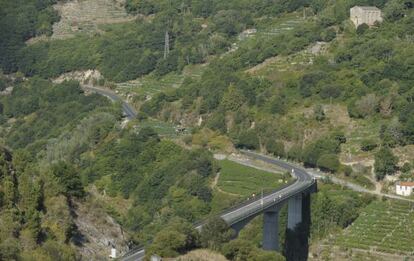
383	226
244	181
151	84
164	129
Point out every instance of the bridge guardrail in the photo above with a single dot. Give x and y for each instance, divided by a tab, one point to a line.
268	204
243	204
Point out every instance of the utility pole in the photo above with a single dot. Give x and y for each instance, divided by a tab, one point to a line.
166	45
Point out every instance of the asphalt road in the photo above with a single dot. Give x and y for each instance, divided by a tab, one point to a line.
127	109
303	181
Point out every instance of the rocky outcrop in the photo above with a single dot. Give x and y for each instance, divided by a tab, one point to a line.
98	232
85	77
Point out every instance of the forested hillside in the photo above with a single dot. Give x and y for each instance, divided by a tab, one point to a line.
368	71
346	108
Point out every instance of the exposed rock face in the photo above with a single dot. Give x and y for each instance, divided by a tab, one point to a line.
98	232
86	77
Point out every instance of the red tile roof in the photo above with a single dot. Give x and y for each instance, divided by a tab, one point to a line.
406	183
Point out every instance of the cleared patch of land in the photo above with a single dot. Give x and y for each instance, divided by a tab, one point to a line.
150	84
85	16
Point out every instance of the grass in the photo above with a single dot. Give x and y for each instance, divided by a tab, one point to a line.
384	227
244	181
150	84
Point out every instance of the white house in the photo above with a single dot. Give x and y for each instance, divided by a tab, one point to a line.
404	188
365	15
113	253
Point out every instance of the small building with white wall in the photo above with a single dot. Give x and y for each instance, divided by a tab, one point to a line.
365	15
404	188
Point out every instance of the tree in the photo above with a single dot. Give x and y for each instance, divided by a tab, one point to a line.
385	163
368	144
394	10
69	179
319	113
248	140
329	162
362	29
215	233
277	148
233	99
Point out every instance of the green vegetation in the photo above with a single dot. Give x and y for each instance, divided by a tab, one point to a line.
335	208
19	21
245	181
63	142
259	112
266	91
385	163
384	226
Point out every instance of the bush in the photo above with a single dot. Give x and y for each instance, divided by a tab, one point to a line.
248	140
362	29
347	170
368	144
276	148
385	163
406	167
295	153
215	233
329	162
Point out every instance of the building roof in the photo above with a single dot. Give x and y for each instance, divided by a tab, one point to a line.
368	8
406	183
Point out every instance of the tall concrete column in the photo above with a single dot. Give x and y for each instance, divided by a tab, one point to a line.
294	211
271	230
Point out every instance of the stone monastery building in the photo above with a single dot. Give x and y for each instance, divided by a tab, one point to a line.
365	15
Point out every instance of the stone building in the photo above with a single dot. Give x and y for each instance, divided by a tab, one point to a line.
365	15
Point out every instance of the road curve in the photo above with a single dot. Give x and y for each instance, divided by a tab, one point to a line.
129	112
245	210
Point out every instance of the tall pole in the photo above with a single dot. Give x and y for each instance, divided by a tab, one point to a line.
166	45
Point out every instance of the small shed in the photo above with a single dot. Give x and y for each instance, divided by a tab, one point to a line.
365	15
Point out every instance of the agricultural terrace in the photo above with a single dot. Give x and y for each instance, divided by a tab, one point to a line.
384	227
244	181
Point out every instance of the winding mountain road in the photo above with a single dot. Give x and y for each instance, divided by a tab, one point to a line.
128	110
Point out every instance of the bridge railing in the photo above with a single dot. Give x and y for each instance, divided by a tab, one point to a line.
243	204
258	209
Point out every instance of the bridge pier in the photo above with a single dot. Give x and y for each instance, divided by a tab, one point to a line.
294	211
271	230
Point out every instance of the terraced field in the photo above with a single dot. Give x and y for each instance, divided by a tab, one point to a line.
85	16
150	84
242	180
383	227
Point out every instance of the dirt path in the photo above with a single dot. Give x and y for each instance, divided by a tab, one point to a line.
215	186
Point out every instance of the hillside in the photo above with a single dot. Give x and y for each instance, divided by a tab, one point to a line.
293	79
86	16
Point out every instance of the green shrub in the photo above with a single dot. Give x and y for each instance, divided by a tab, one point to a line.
368	144
277	148
329	162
